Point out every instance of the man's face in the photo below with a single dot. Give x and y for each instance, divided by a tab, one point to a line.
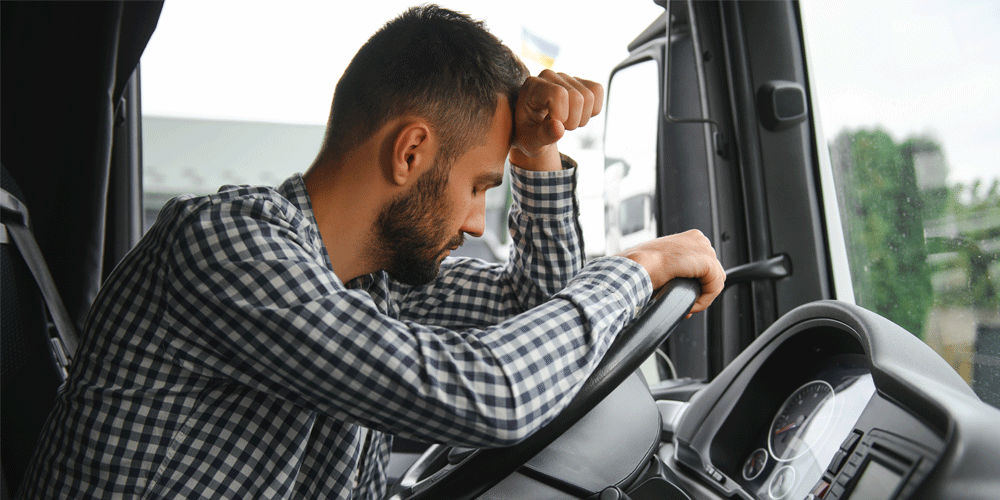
414	232
419	229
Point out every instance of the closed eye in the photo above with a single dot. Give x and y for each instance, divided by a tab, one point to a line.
486	181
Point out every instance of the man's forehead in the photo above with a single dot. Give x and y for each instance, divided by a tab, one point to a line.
505	112
485	162
501	133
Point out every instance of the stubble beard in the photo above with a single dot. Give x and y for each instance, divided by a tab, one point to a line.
411	231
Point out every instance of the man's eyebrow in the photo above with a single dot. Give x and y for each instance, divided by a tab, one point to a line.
492	179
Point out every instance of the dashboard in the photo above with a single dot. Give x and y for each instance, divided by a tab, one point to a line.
830	403
814	425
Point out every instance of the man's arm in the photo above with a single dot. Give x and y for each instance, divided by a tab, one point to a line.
545	252
282	323
547	106
543	221
555	102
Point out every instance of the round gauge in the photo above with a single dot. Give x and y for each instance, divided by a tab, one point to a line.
755	464
782	482
801	420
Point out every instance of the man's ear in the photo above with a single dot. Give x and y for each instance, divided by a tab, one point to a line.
413	151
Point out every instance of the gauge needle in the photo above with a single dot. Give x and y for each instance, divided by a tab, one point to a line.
786	428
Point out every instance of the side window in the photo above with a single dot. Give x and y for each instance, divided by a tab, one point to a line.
908	104
630	156
198	155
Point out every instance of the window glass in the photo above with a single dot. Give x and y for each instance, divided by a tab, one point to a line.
630	156
908	101
633	214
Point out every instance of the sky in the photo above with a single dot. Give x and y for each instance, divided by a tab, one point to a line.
917	67
934	69
263	63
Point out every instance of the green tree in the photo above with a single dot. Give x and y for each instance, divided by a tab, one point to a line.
975	216
883	214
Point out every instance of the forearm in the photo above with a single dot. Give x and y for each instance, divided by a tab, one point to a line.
549	160
544	225
508	380
337	353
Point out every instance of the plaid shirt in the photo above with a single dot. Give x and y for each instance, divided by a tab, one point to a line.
225	359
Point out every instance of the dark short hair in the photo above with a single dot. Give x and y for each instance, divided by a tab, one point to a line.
430	62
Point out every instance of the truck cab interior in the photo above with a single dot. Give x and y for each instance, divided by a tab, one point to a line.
793	385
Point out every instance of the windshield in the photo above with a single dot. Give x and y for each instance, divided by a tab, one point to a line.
908	101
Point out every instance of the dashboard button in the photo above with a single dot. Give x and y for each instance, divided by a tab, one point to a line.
837	462
851	440
836	491
820	489
712	471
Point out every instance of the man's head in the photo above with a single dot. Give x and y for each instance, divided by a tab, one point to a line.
429	62
415	230
422	123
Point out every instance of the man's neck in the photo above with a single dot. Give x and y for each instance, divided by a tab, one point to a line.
345	204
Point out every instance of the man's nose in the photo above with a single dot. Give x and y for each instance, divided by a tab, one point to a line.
475	222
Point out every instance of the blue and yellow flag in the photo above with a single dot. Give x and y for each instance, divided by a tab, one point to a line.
538	49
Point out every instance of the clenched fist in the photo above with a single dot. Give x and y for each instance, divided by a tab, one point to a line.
547	106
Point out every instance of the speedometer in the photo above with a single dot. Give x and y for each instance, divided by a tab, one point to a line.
800	422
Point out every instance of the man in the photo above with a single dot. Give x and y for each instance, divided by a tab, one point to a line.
266	343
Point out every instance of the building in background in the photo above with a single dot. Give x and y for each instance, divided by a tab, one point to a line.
197	156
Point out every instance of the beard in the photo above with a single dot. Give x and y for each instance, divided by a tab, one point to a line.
411	232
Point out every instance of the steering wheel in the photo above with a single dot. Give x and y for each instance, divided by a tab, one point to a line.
455	473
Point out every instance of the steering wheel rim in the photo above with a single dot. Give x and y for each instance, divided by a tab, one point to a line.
481	470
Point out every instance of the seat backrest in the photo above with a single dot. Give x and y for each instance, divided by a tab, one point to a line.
29	377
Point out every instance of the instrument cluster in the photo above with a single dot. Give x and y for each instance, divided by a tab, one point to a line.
806	432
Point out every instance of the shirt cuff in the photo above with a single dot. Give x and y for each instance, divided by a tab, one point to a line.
546	194
620	278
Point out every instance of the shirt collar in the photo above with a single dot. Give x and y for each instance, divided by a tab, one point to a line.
294	190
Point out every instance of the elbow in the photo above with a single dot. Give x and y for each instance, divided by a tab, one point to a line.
509	430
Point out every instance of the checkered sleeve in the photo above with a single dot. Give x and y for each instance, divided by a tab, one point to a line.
283	324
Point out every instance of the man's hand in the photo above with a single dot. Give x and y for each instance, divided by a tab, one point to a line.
547	106
685	255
